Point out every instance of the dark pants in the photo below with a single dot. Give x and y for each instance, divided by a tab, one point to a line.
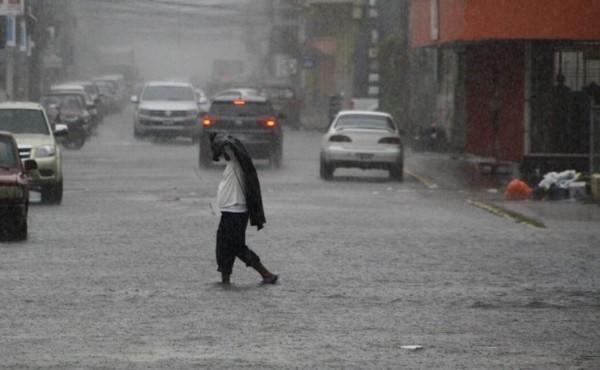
231	242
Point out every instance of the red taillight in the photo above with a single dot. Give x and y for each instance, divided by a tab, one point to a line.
339	139
206	122
239	102
389	140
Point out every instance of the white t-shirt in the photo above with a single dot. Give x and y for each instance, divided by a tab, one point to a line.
230	196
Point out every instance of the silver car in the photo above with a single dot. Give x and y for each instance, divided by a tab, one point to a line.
167	109
362	139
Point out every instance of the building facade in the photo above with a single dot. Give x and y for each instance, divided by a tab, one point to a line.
516	80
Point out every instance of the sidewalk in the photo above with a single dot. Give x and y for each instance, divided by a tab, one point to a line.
464	172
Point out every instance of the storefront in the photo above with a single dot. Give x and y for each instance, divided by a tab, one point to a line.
529	73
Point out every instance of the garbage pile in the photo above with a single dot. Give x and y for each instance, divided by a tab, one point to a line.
554	186
560	185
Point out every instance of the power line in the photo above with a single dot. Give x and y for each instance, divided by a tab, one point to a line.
204	16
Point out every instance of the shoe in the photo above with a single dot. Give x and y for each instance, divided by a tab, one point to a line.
271	280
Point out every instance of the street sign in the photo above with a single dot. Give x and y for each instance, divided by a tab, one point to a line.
12	7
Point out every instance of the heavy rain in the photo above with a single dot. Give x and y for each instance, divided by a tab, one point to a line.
299	184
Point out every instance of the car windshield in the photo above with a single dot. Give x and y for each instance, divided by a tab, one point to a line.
7	153
365	121
23	121
245	109
64	102
174	93
278	93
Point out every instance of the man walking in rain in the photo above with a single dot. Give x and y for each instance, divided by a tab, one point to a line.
239	199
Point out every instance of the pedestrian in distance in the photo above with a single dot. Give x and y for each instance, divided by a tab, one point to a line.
239	199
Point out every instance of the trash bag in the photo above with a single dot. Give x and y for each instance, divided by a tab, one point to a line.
517	190
560	179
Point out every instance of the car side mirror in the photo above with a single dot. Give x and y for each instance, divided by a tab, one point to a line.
30	165
134	99
61	129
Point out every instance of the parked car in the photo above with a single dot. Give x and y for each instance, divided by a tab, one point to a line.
203	101
69	108
94	92
252	120
119	87
109	95
362	139
167	109
35	138
14	189
286	100
89	101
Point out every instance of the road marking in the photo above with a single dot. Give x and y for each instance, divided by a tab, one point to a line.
422	179
499	211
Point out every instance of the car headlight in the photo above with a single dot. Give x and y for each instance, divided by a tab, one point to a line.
144	112
45	151
192	113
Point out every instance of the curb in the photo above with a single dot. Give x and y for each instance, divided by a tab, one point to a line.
502	212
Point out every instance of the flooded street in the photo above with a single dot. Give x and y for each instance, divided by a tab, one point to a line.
123	275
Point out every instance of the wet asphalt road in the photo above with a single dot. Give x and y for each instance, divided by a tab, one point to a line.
122	274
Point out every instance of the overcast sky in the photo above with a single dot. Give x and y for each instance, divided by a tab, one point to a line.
171	38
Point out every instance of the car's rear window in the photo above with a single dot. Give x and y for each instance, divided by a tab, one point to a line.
241	109
7	153
172	93
278	93
365	121
23	121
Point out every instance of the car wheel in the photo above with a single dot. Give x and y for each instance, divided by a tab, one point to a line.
74	141
397	172
325	170
204	159
21	231
275	160
275	157
53	193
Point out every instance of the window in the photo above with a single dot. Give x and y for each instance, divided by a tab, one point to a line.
367	122
7	153
23	121
173	93
579	67
248	109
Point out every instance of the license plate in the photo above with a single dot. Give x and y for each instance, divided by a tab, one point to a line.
35	196
364	155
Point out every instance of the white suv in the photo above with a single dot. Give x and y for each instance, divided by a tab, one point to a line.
35	138
167	109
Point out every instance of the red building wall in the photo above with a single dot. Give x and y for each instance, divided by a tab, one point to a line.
506	61
472	20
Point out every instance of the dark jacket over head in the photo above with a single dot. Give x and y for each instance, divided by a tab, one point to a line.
253	195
